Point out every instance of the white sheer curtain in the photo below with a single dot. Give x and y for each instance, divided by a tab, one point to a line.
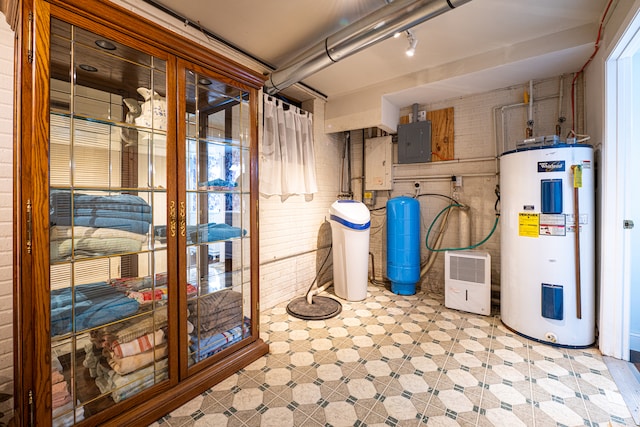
288	164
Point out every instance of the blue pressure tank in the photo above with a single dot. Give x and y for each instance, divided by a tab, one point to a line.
403	244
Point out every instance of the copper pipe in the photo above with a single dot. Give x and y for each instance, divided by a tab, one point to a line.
576	216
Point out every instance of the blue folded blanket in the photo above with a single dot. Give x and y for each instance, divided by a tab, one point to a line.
212	232
218	183
205	347
87	306
60	202
110	213
124	224
121	211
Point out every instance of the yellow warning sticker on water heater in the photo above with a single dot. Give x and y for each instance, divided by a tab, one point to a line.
577	176
528	224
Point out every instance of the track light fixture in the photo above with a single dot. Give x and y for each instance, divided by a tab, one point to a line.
413	42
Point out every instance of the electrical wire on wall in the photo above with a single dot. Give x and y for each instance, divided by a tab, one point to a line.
377	212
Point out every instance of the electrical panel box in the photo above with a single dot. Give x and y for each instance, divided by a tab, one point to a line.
414	142
378	159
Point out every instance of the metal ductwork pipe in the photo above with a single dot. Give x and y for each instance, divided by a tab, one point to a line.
397	16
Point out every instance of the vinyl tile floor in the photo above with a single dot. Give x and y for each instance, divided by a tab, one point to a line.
393	360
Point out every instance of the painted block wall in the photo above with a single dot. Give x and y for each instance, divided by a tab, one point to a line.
295	233
476	133
6	215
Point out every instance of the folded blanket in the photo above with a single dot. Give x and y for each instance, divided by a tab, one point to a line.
203	348
110	213
95	304
131	329
139	345
124	224
63	232
210	232
217	184
138	283
159	293
56	377
56	365
126	365
148	296
60	202
220	321
124	386
216	312
63	416
90	246
60	394
123	211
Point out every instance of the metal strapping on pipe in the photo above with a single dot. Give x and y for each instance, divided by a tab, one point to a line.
397	16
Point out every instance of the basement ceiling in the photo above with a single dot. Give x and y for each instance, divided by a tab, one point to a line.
478	46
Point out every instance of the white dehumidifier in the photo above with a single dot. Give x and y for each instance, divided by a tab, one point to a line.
467	281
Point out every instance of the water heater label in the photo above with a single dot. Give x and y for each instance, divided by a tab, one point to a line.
553	225
551	166
528	224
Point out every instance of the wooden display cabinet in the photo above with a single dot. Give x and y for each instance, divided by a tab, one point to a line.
136	217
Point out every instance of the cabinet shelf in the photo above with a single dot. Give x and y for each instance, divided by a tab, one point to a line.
113	123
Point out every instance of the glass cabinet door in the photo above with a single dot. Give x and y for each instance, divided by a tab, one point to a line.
108	222
216	213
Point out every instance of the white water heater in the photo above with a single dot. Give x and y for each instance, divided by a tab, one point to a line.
547	236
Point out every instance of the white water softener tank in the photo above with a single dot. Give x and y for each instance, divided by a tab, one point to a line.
350	222
547	281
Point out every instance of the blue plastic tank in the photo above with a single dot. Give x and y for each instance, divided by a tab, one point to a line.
403	244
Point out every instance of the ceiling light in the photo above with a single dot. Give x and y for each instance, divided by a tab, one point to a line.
413	42
105	44
204	81
87	67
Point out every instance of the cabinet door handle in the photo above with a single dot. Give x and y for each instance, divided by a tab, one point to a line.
172	218
29	229
183	219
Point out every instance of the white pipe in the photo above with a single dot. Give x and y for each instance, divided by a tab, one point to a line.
468	160
433	255
502	109
317	290
465	227
560	96
441	177
530	122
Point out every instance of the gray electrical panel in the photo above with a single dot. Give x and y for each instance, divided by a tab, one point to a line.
414	142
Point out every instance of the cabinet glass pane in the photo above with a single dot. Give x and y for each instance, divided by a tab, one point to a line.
107	208
217	217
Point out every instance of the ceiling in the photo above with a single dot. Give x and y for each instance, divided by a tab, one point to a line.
478	46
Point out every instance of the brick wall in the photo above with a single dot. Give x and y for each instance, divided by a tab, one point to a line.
6	214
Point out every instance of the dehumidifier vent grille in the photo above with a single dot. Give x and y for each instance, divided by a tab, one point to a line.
467	269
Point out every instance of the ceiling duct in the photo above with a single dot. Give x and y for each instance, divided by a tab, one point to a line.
397	16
